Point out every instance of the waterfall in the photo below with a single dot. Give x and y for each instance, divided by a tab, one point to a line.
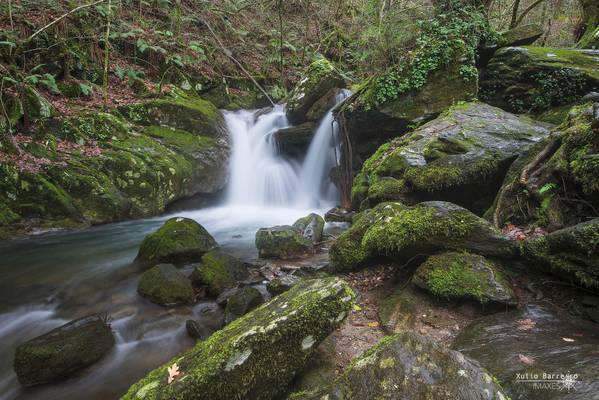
261	177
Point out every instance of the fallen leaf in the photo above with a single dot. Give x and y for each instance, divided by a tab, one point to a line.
525	359
173	372
525	324
567	339
373	324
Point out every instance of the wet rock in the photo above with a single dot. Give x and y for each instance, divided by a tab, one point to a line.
164	284
519	79
243	301
320	78
552	341
462	275
398	232
572	253
282	284
196	330
259	354
179	240
311	227
283	242
59	353
397	311
409	366
295	140
339	214
468	149
219	271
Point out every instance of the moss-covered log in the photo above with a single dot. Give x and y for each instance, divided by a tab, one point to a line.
257	355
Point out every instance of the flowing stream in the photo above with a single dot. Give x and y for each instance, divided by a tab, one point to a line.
49	280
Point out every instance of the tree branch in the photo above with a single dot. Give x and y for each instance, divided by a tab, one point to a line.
526	11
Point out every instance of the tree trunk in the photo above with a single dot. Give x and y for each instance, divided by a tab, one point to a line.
589	25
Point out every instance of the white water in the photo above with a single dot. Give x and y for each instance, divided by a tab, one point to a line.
260	177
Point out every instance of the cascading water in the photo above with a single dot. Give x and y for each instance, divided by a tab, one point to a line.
260	177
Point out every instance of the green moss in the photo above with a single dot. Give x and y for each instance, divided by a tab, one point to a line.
101	126
258	354
284	242
182	140
457	280
219	271
164	284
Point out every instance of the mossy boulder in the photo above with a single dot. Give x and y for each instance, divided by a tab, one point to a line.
409	366
462	275
178	240
257	355
311	227
554	183
320	79
59	353
468	149
283	241
243	301
571	253
551	338
398	232
219	271
520	79
165	285
282	284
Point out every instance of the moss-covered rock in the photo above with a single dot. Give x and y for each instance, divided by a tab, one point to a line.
538	332
466	150
178	240
554	183
320	78
409	366
219	271
242	302
62	351
571	253
526	78
462	275
165	285
284	242
398	232
311	227
257	355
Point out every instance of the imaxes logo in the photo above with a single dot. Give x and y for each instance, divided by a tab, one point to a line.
549	381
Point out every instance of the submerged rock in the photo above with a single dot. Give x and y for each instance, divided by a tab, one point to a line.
219	271
399	232
257	355
165	285
179	240
468	149
408	366
571	253
311	227
520	79
462	275
321	78
284	242
243	301
552	342
62	351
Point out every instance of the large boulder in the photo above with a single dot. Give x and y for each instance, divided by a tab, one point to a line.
520	79
165	285
284	242
554	184
398	232
438	71
178	240
219	271
535	340
407	366
243	301
571	253
522	35
306	100
62	351
468	149
257	355
462	275
311	227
